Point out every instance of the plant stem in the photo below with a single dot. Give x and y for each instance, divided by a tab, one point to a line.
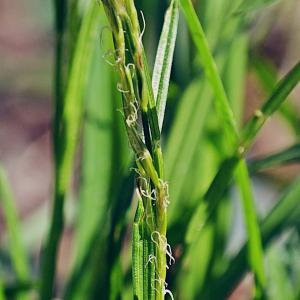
149	229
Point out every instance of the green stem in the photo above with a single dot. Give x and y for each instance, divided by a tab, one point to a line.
60	8
231	132
137	94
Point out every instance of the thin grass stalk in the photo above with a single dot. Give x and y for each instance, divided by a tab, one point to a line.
223	177
66	132
286	156
16	247
231	132
142	126
60	8
267	75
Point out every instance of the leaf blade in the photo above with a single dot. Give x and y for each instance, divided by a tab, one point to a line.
164	58
16	248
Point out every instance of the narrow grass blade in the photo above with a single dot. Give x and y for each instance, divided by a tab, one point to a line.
285	214
247	6
188	131
230	128
164	58
235	74
210	68
183	140
16	248
267	75
66	141
95	194
281	92
223	177
197	265
286	156
255	252
102	176
96	170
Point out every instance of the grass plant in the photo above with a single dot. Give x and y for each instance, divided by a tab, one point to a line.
159	156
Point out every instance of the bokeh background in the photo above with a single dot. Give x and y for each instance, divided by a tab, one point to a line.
26	76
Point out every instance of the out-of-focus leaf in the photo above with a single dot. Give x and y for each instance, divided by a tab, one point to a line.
15	243
267	75
247	6
96	169
235	73
183	139
210	69
66	134
279	283
231	132
286	213
105	164
273	103
289	155
194	268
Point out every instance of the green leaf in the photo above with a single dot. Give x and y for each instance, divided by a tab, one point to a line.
255	252
267	74
289	155
247	6
102	207
66	137
210	69
279	95
164	59
183	139
16	247
285	214
279	285
235	75
230	129
223	178
95	192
